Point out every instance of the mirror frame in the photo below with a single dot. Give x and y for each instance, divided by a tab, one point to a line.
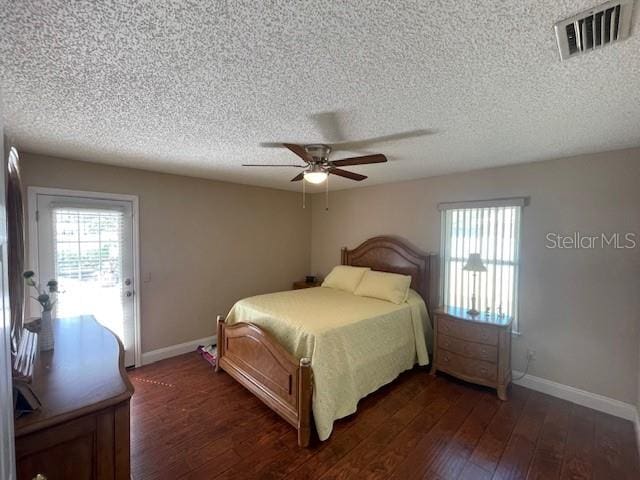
16	245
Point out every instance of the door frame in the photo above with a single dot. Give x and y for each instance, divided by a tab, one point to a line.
32	225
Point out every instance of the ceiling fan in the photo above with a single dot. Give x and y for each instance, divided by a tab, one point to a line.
317	164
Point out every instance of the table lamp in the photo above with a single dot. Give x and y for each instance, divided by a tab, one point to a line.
475	265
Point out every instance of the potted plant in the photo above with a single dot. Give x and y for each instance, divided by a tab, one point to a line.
47	299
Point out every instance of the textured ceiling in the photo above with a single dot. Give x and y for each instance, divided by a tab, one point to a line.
194	87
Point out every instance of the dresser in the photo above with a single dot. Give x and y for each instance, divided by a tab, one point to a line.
475	349
82	430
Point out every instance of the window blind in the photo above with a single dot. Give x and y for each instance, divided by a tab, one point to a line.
88	244
493	231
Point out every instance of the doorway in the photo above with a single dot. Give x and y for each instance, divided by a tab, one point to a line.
88	242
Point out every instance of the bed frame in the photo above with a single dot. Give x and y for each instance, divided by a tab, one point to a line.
285	384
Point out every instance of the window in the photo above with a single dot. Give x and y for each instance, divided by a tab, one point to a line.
88	263
491	229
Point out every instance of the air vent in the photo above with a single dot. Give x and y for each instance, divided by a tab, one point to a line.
595	28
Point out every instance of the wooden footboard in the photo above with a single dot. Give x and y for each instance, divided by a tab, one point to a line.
256	360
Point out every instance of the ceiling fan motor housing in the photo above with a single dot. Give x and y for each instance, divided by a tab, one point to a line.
319	152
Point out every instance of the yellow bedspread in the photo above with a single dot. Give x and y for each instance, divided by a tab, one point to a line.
356	344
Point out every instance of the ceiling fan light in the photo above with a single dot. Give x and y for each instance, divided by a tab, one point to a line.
315	177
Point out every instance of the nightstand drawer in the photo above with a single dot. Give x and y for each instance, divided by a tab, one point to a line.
467	330
303	284
466	367
488	353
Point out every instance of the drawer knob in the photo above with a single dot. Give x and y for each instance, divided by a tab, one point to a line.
446	358
39	477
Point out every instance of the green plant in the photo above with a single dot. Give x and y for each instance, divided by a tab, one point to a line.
46	297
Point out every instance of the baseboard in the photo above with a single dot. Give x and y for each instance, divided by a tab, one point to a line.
173	350
581	397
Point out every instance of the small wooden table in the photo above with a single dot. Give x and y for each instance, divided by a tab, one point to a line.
476	349
304	284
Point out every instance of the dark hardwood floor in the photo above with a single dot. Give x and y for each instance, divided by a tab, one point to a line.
417	427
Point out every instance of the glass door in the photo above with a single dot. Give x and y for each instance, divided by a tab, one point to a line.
87	245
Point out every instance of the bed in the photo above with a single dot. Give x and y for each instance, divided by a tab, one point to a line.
282	345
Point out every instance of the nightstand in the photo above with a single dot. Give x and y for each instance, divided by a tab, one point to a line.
475	349
304	284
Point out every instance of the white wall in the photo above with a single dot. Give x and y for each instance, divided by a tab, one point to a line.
579	309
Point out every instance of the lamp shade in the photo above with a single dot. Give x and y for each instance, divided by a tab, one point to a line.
474	264
315	177
316	174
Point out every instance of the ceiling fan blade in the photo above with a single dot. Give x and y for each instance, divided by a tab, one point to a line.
363	160
358	144
270	165
272	145
299	151
330	125
346	174
298	177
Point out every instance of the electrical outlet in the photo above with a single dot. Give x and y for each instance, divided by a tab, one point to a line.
531	355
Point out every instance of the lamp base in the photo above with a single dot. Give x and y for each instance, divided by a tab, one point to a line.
473	312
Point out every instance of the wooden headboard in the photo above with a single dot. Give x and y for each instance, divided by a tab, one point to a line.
391	254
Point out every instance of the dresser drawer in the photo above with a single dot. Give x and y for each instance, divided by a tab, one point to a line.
488	353
63	451
467	330
467	367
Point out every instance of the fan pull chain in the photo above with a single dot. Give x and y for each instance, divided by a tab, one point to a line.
304	205
326	204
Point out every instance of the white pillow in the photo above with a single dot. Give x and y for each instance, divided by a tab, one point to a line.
392	287
344	277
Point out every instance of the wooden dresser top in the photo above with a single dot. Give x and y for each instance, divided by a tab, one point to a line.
462	314
82	374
